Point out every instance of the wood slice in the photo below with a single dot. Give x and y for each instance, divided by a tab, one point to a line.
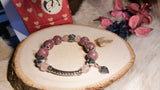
117	55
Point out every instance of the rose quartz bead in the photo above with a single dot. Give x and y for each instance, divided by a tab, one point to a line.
43	52
85	68
89	46
65	38
49	44
92	54
83	41
78	37
44	66
57	39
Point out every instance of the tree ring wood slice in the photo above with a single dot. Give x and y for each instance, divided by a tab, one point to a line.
118	56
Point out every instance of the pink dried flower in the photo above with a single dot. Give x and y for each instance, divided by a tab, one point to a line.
142	31
147	19
135	21
105	22
142	13
145	8
126	16
116	13
135	15
133	8
118	6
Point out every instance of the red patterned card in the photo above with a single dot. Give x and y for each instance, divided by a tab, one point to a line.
38	14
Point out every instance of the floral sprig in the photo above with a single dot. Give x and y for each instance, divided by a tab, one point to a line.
120	29
134	17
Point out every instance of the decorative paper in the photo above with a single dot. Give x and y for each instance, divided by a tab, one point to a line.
38	14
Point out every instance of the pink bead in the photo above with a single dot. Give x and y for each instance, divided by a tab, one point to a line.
44	66
89	46
85	68
43	52
83	41
78	37
57	39
92	54
49	44
65	38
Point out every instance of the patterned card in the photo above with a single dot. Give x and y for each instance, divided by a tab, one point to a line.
38	14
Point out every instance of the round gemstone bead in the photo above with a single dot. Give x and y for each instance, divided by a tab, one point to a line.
83	41
44	66
49	44
85	68
78	37
92	54
65	38
71	37
89	46
57	39
43	52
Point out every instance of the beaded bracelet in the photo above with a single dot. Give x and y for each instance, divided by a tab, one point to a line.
89	48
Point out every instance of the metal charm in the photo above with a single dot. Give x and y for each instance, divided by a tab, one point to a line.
103	69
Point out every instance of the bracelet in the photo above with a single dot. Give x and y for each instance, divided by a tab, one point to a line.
89	48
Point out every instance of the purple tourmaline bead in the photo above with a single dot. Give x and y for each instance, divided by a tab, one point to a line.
83	41
92	54
89	46
49	44
43	52
57	39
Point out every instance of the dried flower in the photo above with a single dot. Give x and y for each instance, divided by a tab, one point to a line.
118	6
142	17
105	22
135	21
120	29
142	31
134	16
